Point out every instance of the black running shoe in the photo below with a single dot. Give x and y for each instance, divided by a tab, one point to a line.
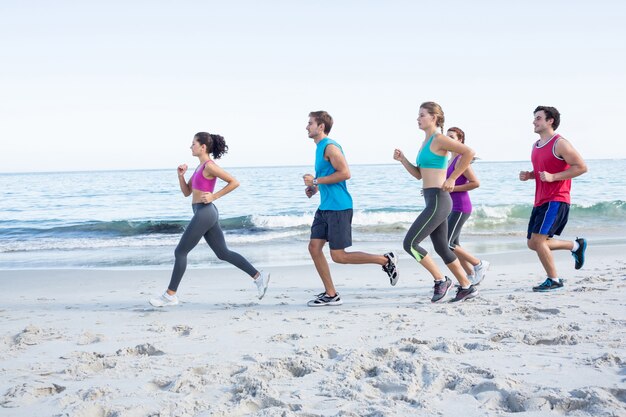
579	254
325	300
465	294
391	268
548	285
441	289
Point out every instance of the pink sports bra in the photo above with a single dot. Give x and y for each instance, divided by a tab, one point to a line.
199	182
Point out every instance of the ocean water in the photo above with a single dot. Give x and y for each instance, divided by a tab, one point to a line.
133	219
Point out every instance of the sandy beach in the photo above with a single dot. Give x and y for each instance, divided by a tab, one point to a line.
87	343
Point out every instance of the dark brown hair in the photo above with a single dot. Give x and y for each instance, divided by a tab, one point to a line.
323	117
551	113
459	133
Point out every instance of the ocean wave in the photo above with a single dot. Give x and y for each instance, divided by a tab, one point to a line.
605	210
100	228
280	226
70	244
154	241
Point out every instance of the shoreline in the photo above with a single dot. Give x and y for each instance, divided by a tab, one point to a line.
267	255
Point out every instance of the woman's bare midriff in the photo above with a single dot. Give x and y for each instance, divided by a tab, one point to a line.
433	177
196	196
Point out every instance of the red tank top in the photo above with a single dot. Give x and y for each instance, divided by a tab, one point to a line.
544	159
198	182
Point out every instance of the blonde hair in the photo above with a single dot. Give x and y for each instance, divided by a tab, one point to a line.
435	110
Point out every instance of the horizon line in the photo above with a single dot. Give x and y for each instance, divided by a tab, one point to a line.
481	161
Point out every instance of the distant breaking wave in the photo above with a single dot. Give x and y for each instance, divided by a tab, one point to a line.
260	228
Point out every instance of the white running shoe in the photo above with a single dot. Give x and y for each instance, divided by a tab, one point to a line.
164	300
261	284
480	271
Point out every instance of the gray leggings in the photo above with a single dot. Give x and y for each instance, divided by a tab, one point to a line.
456	220
432	221
205	223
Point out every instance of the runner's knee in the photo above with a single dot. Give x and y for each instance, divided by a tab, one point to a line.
339	257
315	248
444	251
406	244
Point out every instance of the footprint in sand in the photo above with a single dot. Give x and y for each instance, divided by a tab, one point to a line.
25	394
182	329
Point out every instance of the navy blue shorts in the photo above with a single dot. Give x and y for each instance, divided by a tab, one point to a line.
334	226
548	219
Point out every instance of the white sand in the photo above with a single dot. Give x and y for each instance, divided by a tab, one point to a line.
86	343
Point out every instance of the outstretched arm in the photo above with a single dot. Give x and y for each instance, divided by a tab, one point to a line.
411	169
185	186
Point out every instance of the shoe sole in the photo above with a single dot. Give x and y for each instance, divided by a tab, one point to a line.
331	304
467	297
443	296
583	261
162	305
267	284
394	281
549	290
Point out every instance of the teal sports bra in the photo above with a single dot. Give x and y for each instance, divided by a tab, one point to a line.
427	159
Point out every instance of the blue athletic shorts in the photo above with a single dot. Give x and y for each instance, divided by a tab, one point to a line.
548	219
334	226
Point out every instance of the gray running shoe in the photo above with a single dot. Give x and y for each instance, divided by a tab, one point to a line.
165	300
480	271
325	300
441	289
465	294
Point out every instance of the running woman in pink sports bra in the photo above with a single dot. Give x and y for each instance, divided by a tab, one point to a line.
205	221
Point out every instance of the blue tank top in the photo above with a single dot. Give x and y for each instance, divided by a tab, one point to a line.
332	196
428	159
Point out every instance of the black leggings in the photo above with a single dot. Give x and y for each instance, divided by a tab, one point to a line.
432	221
456	220
205	223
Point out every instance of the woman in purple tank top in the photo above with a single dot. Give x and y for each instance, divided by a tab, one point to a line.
461	210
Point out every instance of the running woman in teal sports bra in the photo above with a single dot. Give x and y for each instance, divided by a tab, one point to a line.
431	166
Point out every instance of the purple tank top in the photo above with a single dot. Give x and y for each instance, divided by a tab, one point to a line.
460	199
198	182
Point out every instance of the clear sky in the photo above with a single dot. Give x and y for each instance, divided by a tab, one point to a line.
125	84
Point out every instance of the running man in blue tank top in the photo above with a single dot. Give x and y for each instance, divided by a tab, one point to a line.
333	218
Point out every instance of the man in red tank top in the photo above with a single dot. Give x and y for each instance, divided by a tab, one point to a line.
555	163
